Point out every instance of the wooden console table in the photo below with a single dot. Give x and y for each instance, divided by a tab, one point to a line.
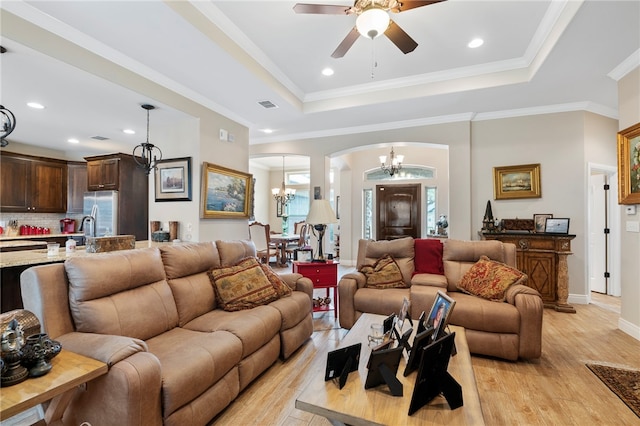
543	257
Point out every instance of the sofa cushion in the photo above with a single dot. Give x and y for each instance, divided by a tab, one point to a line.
490	279
476	313
385	302
279	286
458	256
385	273
402	250
243	286
428	256
122	293
232	252
192	362
187	267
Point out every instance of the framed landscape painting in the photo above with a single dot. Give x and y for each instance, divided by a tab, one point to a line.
225	193
629	165
516	182
173	179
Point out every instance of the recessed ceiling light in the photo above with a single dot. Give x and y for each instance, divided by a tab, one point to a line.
129	131
476	42
266	130
73	140
327	71
35	105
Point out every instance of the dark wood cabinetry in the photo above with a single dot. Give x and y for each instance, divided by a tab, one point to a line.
103	174
543	257
76	187
119	172
32	184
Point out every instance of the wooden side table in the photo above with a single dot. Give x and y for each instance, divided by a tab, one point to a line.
69	370
323	275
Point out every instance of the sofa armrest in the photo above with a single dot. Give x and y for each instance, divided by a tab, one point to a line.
298	282
106	348
529	304
347	287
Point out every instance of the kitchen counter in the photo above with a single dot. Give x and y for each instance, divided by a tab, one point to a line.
39	257
14	245
5	237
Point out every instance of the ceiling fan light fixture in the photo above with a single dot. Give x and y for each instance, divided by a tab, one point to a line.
372	22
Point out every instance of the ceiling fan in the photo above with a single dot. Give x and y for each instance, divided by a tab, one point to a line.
372	21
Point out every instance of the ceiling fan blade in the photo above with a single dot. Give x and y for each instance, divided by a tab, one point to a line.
322	9
406	5
346	44
400	38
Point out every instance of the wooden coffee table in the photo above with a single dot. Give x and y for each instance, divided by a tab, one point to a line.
354	405
69	370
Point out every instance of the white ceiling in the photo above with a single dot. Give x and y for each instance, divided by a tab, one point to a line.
538	56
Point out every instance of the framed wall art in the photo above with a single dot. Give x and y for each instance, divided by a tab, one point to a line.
516	182
225	193
173	180
629	165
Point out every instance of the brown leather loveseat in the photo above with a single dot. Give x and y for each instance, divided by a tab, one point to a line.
509	329
174	357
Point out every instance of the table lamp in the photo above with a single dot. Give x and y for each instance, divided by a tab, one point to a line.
319	216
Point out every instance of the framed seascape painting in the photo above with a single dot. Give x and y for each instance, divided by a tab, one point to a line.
629	165
173	179
516	182
225	193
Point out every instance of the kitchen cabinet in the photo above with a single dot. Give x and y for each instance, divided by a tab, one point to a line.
543	257
76	186
32	184
103	173
119	172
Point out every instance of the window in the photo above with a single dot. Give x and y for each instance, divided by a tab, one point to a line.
407	172
298	208
430	198
367	222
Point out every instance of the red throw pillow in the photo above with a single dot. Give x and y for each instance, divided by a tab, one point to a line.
428	256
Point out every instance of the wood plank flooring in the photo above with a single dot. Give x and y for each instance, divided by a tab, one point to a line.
557	389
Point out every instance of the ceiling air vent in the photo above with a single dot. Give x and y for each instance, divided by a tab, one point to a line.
99	138
268	104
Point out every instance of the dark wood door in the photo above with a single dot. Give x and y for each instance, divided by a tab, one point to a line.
398	211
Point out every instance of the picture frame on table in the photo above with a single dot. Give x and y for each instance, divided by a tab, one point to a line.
513	182
540	222
629	165
225	193
439	314
557	225
173	180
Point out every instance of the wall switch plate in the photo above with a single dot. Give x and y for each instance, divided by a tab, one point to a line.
633	226
631	210
223	134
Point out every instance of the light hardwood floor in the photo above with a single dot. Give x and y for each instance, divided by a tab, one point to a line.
557	389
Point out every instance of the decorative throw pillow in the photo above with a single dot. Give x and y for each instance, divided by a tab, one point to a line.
428	256
385	273
490	279
280	286
242	286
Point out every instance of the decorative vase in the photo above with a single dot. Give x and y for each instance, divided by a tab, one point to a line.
38	352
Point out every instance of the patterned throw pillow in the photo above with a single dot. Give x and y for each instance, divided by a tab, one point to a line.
385	273
242	286
490	279
280	286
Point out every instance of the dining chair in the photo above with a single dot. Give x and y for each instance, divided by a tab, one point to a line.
260	235
301	229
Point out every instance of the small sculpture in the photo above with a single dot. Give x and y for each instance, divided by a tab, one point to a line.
488	222
442	225
11	342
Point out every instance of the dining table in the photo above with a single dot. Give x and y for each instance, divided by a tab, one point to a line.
281	241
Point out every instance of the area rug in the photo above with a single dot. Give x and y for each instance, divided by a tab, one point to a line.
623	382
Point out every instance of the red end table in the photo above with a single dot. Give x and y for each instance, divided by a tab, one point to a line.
323	275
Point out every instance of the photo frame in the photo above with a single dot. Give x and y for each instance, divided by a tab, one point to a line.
341	362
540	222
173	180
438	317
557	226
225	193
513	182
383	367
303	255
629	165
421	340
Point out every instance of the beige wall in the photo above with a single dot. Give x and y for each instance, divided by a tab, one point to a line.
629	107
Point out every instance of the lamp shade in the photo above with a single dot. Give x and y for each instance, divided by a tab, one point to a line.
372	22
321	213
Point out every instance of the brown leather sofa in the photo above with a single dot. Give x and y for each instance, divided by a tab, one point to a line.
150	314
508	330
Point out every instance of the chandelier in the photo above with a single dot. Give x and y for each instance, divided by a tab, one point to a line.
395	163
283	194
8	124
147	155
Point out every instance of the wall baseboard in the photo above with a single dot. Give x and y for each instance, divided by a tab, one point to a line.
629	328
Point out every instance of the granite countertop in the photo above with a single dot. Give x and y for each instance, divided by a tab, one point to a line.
21	243
40	257
5	237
